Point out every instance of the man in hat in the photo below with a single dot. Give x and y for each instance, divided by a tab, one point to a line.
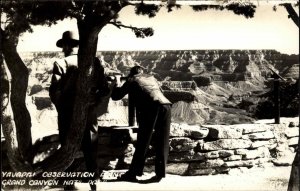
62	93
153	111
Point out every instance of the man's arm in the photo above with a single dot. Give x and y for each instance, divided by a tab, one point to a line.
119	92
54	89
101	88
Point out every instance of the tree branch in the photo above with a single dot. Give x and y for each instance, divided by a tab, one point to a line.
292	13
139	32
75	15
120	25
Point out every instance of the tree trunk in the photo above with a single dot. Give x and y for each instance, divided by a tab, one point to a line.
87	50
17	130
295	175
294	184
292	13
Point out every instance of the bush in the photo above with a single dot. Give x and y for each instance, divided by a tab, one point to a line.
289	102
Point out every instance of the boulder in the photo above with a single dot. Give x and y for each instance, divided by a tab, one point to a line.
293	141
261	152
211	155
243	163
292	124
181	144
233	158
196	172
171	168
282	162
261	136
185	156
192	131
207	164
226	153
268	143
177	168
226	144
292	132
224	132
282	150
241	152
255	128
208	171
284	156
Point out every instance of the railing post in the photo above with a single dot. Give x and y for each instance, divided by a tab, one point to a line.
277	101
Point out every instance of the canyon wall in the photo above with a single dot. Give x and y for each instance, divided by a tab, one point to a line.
209	133
206	84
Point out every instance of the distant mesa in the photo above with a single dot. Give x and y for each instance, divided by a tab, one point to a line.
214	86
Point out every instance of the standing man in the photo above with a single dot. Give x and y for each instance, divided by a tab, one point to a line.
153	111
62	93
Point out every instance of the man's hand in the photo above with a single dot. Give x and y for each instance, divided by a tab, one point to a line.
118	80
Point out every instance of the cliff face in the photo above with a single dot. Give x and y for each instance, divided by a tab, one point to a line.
205	84
185	65
222	65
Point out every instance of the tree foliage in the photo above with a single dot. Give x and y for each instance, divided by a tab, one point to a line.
145	9
246	10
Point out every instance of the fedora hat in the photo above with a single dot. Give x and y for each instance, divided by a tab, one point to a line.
67	39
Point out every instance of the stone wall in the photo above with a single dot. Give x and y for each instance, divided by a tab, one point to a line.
207	149
194	149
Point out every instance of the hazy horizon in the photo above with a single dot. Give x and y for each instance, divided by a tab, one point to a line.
184	29
58	51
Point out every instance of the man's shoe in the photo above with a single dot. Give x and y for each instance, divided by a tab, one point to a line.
127	177
156	178
153	179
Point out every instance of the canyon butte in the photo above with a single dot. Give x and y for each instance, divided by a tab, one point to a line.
205	86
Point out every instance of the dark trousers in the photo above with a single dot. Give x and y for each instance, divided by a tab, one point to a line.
158	119
89	148
88	144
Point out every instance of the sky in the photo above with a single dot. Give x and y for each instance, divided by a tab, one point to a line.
184	29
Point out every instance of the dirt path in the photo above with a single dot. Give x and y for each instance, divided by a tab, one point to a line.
257	179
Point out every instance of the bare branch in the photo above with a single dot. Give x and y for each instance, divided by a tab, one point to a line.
115	24
139	32
119	25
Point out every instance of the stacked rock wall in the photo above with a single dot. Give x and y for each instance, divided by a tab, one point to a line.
204	150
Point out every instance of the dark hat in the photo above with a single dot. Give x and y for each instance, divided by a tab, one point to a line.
135	70
67	38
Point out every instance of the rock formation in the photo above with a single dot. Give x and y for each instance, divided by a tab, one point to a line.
206	86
